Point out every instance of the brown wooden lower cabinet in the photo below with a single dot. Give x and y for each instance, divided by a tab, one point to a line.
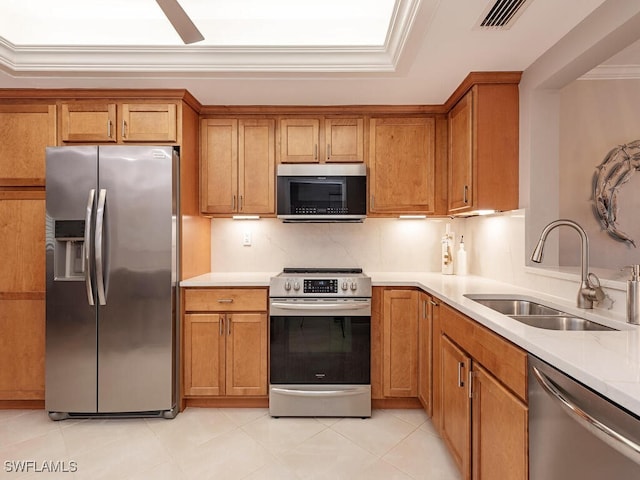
225	343
400	343
22	347
397	363
22	296
456	411
480	397
425	327
499	426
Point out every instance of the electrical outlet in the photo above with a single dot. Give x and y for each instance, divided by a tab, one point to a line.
246	239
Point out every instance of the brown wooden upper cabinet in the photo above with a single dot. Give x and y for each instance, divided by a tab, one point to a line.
483	150
25	133
118	122
237	168
344	139
402	165
322	139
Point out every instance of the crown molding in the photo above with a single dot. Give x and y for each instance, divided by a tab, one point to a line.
613	72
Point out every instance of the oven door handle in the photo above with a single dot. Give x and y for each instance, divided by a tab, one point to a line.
321	306
320	393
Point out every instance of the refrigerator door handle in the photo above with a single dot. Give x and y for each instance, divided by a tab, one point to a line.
102	199
87	246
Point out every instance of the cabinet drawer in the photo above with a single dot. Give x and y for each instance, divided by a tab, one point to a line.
504	360
225	299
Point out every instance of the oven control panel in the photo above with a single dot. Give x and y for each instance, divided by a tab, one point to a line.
320	285
325	285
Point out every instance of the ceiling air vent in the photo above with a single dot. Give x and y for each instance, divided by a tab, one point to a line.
503	13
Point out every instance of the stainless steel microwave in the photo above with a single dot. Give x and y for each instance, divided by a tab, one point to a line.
322	192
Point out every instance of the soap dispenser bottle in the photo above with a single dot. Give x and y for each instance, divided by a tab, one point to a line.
633	295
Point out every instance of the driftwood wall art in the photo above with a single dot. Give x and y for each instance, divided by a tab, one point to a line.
615	170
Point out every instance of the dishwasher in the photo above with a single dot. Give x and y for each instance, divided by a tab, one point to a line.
575	433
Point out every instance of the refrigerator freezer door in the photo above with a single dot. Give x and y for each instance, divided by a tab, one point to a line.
136	323
71	348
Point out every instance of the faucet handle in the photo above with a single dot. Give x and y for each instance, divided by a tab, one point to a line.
594	283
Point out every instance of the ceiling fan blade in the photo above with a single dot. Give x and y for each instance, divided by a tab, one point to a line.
180	21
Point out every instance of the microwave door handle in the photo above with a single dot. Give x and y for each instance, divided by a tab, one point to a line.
87	246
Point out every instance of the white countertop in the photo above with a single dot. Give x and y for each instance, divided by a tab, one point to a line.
606	361
230	279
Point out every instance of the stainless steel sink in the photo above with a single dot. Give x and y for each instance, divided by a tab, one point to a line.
517	307
536	314
559	322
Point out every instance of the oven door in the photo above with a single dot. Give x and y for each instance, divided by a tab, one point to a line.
320	341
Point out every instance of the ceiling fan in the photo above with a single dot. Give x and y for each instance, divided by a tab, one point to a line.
180	21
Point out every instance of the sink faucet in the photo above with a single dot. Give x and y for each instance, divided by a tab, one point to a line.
588	292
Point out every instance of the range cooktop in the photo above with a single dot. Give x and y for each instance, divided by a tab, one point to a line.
320	282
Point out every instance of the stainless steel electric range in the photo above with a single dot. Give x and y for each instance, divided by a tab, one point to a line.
320	343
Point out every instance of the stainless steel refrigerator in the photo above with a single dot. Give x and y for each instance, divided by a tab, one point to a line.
112	242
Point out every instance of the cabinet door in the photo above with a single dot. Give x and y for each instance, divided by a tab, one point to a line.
344	139
400	343
22	232
436	359
149	122
246	354
402	165
204	354
22	345
256	166
456	404
299	140
26	131
88	122
499	428
424	352
219	165
22	295
461	155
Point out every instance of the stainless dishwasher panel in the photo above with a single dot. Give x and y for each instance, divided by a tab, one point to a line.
574	433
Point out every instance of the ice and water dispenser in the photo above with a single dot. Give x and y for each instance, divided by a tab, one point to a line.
69	252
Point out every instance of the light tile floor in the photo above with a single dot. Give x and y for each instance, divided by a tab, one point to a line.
224	444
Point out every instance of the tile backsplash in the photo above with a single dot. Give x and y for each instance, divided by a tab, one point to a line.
377	244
